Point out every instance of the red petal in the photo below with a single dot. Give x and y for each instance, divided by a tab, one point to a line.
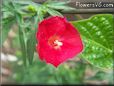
51	26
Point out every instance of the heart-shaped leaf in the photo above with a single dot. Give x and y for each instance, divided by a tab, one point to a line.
97	35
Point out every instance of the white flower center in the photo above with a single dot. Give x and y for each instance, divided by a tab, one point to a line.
58	44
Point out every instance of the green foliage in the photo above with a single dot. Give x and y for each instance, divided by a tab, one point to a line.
68	73
22	37
97	34
41	73
6	25
7	21
53	12
27	14
31	46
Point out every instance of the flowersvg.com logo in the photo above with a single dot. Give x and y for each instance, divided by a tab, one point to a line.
94	5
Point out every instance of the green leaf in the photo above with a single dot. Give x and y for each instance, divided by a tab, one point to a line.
56	2
54	12
6	24
7	6
31	46
97	35
21	37
23	46
40	15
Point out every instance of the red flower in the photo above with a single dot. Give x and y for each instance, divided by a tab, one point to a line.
58	40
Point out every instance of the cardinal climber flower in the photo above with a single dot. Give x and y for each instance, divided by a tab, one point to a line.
58	40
